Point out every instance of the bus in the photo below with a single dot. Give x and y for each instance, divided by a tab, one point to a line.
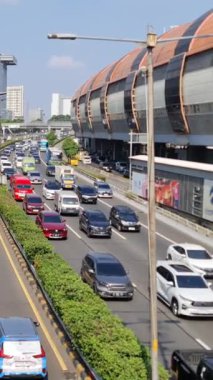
54	156
43	145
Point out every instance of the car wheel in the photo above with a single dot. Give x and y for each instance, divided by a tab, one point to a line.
89	234
174	307
119	227
94	202
95	289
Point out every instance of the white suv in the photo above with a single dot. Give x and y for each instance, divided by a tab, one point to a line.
185	291
196	256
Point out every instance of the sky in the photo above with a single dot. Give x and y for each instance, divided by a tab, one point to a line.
53	66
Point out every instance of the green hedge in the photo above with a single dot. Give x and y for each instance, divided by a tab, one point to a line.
108	346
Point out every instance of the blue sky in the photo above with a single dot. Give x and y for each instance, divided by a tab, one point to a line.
47	66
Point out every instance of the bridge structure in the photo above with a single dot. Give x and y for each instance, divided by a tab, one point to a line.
37	127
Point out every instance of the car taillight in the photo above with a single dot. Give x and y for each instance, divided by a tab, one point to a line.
4	356
41	355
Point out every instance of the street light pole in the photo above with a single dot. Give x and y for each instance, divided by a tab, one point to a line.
151	43
130	155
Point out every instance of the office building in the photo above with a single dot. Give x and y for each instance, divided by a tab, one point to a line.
15	101
60	105
36	114
5	60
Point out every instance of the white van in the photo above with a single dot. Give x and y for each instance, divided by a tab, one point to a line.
66	202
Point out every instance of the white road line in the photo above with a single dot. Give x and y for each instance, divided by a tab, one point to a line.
117	233
204	345
70	228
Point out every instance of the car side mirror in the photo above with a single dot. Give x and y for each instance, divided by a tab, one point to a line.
91	271
37	324
170	283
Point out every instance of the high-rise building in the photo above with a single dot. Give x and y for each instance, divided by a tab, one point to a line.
5	60
60	105
15	101
36	114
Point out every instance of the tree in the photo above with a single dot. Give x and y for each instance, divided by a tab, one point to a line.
70	147
51	137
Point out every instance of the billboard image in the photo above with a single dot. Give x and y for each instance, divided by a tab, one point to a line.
208	200
167	191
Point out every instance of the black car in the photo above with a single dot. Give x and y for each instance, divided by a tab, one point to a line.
87	194
9	172
95	223
50	170
106	275
37	158
124	218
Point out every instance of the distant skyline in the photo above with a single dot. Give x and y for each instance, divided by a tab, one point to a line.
51	66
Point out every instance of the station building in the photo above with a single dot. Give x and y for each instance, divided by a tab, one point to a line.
113	103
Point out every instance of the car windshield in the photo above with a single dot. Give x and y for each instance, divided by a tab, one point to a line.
89	190
110	269
9	170
23	186
198	254
191	282
103	186
70	201
29	164
35	200
97	217
52	219
128	215
53	186
69	176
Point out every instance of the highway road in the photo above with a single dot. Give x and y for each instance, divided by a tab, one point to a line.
17	298
132	250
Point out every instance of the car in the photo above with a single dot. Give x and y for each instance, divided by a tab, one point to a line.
193	255
106	276
103	189
95	223
120	166
4	165
106	166
9	172
86	193
32	203
36	157
50	170
49	189
185	291
35	177
22	354
124	218
126	173
52	225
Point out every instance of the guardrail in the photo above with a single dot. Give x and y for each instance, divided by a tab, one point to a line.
82	367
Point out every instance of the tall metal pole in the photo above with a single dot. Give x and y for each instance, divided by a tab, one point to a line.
151	42
130	162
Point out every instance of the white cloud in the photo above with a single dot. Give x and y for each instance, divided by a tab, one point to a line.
64	62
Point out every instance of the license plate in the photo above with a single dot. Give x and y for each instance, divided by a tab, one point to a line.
118	294
35	209
56	235
132	228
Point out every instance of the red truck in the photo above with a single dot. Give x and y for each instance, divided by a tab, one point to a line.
20	186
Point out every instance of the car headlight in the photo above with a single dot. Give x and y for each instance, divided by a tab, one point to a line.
124	222
101	283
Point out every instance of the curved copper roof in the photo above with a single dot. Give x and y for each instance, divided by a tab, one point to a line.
162	53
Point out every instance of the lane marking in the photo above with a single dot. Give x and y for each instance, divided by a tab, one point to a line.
204	345
70	228
33	307
117	233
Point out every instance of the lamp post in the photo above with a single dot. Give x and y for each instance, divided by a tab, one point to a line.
150	43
